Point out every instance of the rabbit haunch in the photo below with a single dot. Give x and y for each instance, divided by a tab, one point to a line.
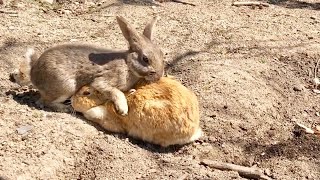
164	112
61	70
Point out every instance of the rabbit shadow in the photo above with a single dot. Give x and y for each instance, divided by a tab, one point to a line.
296	4
24	96
29	97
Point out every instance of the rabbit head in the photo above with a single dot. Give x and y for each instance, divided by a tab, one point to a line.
86	98
145	59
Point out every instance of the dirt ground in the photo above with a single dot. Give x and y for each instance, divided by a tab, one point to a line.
251	69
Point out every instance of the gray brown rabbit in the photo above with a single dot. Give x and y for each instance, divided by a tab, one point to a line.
61	70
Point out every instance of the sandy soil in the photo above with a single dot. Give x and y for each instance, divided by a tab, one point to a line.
251	69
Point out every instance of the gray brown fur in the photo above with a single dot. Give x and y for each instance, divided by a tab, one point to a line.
61	70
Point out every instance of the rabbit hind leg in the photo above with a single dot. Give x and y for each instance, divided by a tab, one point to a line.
56	104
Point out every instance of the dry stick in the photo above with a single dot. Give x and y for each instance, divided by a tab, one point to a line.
250	3
316	80
309	130
242	170
183	177
306	129
186	3
8	12
177	1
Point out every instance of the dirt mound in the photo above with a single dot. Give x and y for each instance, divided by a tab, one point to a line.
252	70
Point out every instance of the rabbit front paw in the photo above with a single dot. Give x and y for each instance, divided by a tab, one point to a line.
122	107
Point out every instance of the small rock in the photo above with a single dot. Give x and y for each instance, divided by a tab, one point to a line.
298	87
267	172
316	91
90	3
152	171
24	129
65	11
47	115
212	139
213	116
243	127
312	17
49	1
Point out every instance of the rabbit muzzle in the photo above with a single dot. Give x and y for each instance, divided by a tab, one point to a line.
152	76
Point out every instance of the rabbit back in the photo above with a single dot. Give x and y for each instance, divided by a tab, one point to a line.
63	69
165	113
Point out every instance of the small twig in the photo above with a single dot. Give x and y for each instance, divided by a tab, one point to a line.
177	1
8	12
250	3
242	170
311	130
316	81
182	2
306	129
183	177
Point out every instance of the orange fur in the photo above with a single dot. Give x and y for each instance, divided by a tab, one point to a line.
164	112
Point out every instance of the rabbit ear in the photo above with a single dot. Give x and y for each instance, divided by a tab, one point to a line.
128	31
149	27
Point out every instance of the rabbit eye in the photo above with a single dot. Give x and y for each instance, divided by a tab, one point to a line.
86	93
145	59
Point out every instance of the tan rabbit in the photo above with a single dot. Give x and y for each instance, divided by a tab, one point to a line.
61	70
164	112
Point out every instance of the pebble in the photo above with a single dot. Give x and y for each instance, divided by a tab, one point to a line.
267	172
48	116
66	11
24	129
298	87
48	1
316	91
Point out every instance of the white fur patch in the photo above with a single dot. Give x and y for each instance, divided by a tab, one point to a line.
121	104
96	113
29	53
196	135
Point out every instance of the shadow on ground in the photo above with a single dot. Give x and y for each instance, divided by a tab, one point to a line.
295	4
